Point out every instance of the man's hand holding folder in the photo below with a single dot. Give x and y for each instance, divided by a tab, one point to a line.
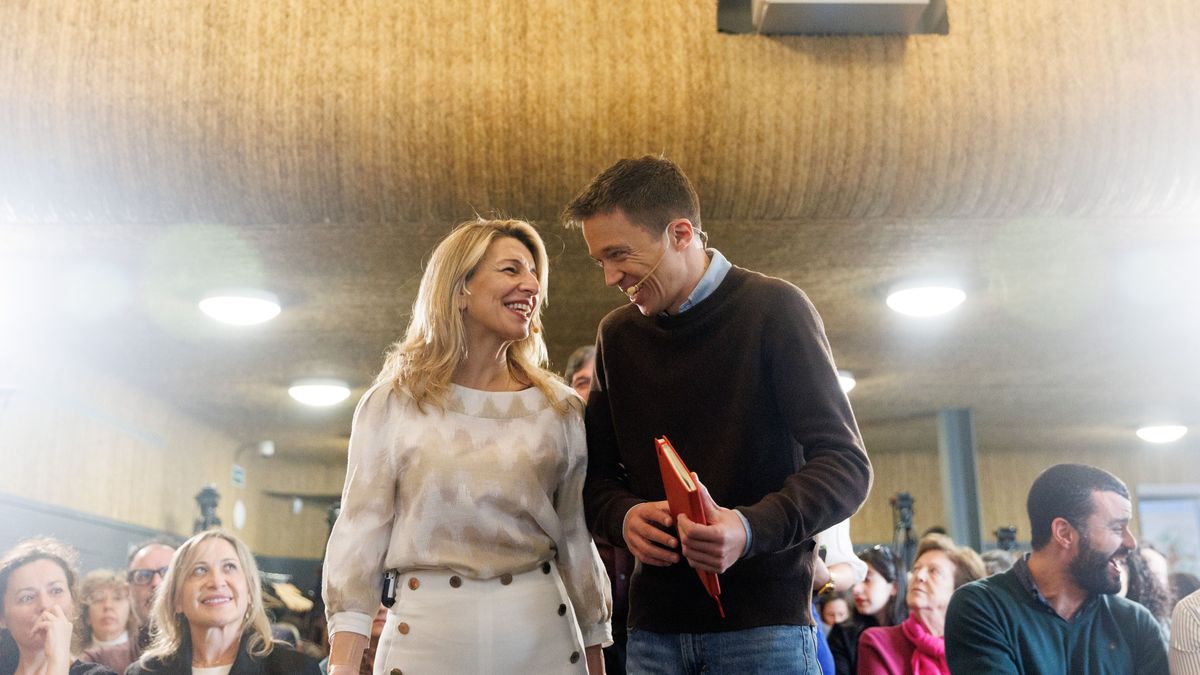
646	534
716	546
712	548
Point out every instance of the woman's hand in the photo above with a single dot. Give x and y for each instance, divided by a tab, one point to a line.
55	625
346	652
595	660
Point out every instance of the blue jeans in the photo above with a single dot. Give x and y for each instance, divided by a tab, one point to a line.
768	650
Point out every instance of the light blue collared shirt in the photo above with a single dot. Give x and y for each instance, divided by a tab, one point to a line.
718	267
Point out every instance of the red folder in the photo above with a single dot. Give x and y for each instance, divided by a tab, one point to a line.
683	496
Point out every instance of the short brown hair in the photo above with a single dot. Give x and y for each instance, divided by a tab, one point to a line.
968	566
650	191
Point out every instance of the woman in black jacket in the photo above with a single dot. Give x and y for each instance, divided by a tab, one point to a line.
209	616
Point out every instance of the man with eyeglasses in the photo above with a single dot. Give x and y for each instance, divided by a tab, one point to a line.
734	367
147	566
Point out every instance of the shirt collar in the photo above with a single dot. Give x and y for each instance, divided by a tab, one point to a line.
1021	571
718	267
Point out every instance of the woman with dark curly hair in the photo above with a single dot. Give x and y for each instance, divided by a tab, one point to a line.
1143	586
38	605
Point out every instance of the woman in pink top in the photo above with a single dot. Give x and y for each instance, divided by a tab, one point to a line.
916	646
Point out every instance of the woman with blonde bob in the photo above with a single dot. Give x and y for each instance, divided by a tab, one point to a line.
464	483
208	618
38	604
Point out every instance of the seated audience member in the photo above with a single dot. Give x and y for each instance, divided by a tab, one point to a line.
108	619
1185	636
916	645
38	605
875	604
836	569
285	635
1054	611
1156	561
146	568
1141	584
209	616
1183	584
996	561
835	609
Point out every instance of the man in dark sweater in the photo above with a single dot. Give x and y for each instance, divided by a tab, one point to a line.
1054	611
734	367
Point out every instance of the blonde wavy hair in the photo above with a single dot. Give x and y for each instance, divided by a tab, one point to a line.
98	580
167	624
422	364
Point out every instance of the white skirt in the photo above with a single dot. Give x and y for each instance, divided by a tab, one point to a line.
443	622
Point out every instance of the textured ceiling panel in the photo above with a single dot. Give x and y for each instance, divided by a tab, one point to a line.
312	111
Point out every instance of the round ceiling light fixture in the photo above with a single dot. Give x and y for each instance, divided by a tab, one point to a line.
240	307
925	299
846	379
1162	433
320	393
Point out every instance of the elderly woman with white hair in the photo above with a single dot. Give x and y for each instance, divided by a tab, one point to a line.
208	617
464	483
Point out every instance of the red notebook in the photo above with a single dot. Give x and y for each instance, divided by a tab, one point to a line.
683	496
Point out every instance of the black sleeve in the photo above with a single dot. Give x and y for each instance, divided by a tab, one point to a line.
606	495
82	668
286	661
843	649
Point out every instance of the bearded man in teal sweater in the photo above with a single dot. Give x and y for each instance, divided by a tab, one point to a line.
1054	612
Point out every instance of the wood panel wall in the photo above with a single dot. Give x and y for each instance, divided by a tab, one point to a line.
1005	475
74	437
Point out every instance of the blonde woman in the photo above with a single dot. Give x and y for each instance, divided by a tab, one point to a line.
208	618
465	479
107	616
38	604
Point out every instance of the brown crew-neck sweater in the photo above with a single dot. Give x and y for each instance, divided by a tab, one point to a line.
745	387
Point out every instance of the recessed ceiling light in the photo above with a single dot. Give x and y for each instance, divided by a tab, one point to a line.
240	307
925	299
319	392
846	379
1162	433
